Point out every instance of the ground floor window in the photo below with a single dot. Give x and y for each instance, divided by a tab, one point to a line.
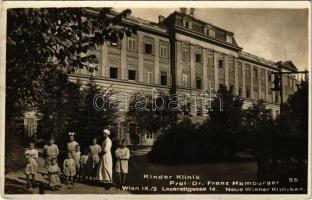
113	73
232	88
247	92
163	78
133	135
148	75
132	75
114	129
149	135
240	93
185	80
31	125
198	82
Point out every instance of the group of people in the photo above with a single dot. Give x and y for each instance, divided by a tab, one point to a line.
95	163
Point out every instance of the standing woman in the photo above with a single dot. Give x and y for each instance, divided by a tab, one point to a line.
95	150
71	145
105	167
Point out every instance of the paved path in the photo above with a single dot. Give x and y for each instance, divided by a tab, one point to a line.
17	181
141	151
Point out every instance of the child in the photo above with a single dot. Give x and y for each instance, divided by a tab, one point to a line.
71	145
50	151
95	149
77	156
31	166
122	154
85	164
69	168
54	178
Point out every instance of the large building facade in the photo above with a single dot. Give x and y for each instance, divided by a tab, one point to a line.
188	55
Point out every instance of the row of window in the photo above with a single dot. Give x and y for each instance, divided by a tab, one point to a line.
199	107
210	61
255	72
186	83
256	93
148	46
186	80
133	128
164	50
148	75
198	55
248	92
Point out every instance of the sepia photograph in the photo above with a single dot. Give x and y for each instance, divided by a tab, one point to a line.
128	100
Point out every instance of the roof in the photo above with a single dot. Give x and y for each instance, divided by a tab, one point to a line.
200	21
140	24
260	60
161	28
289	65
220	34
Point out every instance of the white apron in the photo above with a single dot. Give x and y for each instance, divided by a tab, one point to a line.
105	167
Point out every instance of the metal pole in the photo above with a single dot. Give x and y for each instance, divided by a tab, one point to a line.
277	138
281	94
275	141
281	115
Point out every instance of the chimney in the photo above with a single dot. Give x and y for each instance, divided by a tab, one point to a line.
160	18
192	11
183	10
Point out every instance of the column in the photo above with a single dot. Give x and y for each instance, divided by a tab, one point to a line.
205	70
192	61
285	91
156	61
273	96
266	85
251	82
100	63
244	80
123	59
226	70
103	71
178	69
236	85
140	58
216	70
259	84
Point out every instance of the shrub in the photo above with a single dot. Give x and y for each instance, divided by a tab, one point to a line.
14	150
183	143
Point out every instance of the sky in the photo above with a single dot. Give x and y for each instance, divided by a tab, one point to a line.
274	34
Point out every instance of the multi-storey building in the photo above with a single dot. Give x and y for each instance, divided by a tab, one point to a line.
186	55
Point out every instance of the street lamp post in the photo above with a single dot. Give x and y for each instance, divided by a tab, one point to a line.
279	87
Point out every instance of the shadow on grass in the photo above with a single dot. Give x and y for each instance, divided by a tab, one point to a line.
15	187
